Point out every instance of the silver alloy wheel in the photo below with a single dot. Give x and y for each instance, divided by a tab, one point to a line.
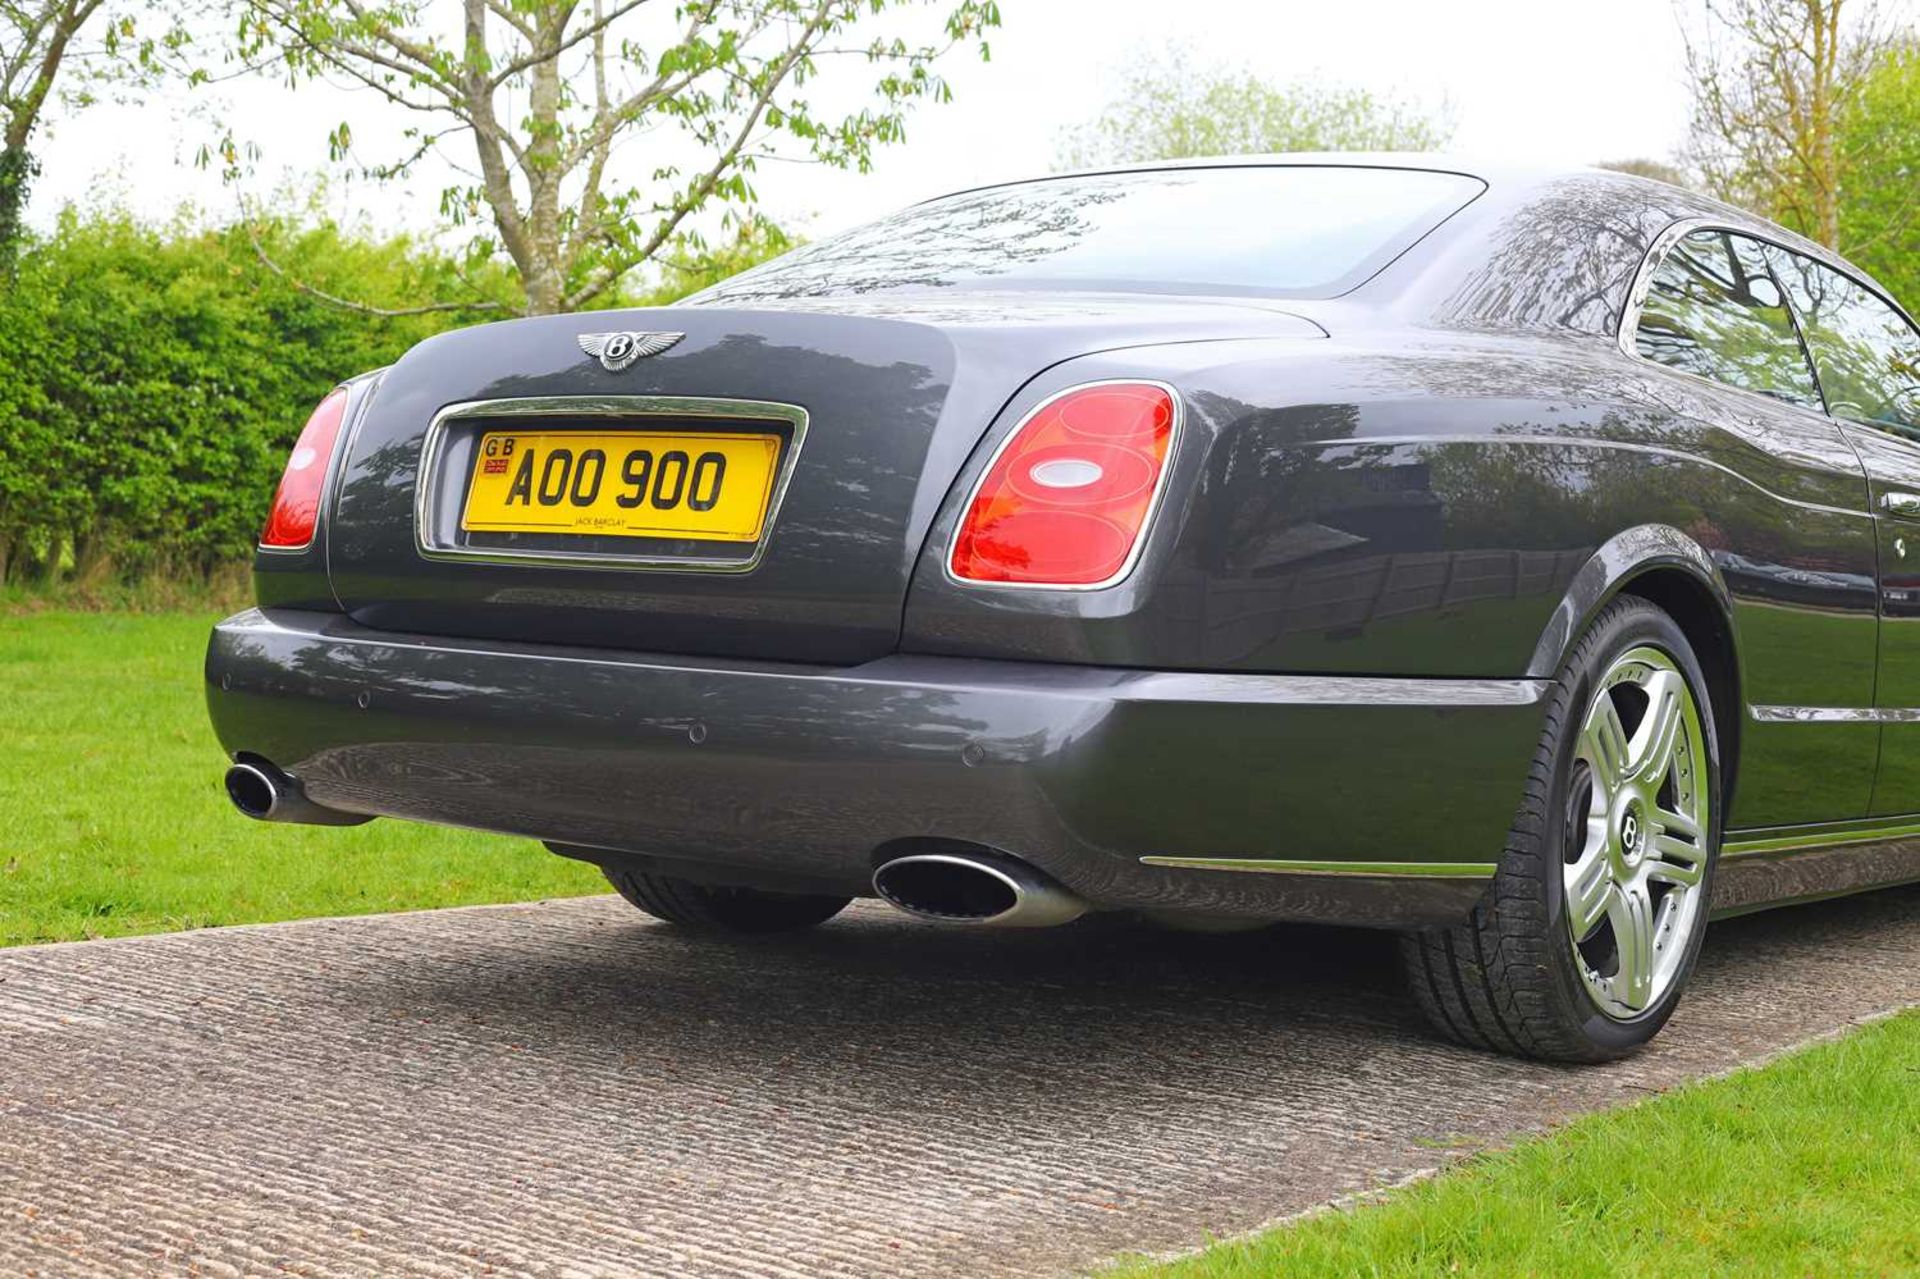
1638	833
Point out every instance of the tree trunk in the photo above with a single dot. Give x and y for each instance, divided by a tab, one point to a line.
16	172
23	113
49	568
92	557
545	286
1825	21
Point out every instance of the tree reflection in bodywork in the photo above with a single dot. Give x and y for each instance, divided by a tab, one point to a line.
1867	354
1715	311
1564	259
1320	231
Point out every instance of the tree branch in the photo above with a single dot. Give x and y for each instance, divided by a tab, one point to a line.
705	184
24	112
348	304
536	56
488	143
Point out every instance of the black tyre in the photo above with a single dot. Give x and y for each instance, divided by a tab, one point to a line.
723	910
1590	930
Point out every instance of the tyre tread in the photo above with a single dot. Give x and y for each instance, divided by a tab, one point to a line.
1488	983
673	900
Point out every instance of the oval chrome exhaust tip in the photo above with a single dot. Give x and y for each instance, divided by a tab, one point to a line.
266	794
984	889
254	791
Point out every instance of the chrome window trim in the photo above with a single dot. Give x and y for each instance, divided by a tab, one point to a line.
1626	337
1292	866
428	484
1671	235
1656	256
1859	279
1147	522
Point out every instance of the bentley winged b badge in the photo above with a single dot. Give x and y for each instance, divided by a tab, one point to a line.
616	351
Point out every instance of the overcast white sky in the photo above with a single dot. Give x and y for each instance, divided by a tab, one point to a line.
1550	79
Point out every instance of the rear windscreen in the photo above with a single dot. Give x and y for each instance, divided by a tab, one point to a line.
1297	231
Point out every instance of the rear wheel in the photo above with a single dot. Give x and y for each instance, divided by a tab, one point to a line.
726	910
1582	948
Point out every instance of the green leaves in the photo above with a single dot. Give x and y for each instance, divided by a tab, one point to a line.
1808	112
599	134
1880	152
1773	83
1172	110
151	381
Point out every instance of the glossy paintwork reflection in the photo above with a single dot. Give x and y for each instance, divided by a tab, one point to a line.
830	586
1893	466
1868	357
1416	498
1320	231
1081	771
1557	256
895	404
1436	477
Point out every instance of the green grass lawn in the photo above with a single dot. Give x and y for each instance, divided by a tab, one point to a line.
1810	1166
114	822
113	819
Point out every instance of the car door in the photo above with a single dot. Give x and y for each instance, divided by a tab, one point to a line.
1867	354
1800	564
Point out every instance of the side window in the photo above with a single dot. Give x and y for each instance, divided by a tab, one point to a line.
1714	309
1867	353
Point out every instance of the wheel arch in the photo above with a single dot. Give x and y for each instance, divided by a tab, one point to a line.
1667	568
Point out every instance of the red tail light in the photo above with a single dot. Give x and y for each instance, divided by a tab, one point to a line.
296	503
1067	498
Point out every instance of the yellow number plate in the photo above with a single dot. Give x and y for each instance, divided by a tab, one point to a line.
711	487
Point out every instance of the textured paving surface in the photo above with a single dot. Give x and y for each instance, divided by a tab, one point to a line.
565	1089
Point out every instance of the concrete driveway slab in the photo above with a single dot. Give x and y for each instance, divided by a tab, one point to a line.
567	1089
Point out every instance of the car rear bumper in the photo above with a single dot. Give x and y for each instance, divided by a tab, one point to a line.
1374	801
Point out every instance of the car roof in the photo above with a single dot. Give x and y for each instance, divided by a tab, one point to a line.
1495	171
1510	181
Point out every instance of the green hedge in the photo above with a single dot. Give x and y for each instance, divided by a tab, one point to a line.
152	380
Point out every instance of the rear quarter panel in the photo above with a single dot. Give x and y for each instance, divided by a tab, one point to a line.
1442	506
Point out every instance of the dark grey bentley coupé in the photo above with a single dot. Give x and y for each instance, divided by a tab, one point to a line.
1524	561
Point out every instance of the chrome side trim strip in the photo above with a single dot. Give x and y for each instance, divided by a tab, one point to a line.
1835	714
1275	866
1788	839
1760	845
429	482
1333	690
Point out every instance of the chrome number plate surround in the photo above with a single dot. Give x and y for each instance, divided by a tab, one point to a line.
437	495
